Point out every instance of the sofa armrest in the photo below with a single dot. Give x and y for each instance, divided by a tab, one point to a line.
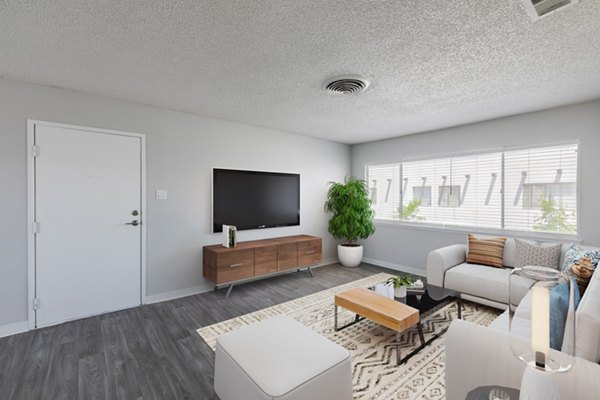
472	362
441	260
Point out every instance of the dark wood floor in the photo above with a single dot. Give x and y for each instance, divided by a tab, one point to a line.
148	352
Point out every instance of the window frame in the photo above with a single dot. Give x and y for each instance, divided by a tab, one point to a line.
453	228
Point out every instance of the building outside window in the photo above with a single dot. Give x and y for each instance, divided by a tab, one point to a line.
423	195
449	196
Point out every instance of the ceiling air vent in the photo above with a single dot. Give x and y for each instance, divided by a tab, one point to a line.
345	85
540	8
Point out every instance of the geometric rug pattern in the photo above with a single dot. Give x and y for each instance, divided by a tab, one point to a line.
372	347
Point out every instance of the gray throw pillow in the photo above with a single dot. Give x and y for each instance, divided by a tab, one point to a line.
538	255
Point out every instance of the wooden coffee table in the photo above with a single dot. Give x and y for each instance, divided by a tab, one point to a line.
380	309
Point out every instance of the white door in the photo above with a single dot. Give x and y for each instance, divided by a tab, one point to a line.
88	249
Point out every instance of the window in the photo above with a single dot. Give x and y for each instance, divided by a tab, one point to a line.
535	193
464	188
384	186
423	195
541	189
539	193
449	196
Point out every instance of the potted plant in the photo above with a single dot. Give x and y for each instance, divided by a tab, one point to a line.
399	283
352	217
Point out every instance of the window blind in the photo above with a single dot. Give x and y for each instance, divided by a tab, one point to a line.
384	187
540	190
465	190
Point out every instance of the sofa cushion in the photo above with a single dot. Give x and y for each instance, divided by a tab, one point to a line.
486	251
540	255
486	282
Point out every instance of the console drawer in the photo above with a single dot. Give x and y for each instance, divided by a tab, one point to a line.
234	265
309	252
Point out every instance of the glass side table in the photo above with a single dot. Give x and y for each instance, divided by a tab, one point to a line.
493	393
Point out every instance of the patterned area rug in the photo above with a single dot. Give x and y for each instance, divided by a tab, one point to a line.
373	347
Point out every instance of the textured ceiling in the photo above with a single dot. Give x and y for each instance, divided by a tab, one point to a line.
431	63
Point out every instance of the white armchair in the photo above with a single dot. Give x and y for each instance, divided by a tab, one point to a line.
479	356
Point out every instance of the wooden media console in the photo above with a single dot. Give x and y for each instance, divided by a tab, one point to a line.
260	258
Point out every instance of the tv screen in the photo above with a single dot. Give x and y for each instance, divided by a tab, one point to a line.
254	199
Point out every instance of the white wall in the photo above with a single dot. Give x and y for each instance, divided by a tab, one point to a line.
407	248
182	149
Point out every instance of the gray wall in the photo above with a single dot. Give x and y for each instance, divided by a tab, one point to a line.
181	151
407	248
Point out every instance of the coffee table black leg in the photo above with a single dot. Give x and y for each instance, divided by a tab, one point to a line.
399	359
459	304
398	352
335	321
357	319
421	336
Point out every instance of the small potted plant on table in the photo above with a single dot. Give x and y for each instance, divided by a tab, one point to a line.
400	283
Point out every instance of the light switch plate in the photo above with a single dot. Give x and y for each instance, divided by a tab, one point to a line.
161	194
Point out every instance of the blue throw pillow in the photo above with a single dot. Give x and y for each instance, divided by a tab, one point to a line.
574	253
559	309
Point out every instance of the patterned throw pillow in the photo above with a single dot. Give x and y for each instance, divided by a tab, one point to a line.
486	251
575	254
537	255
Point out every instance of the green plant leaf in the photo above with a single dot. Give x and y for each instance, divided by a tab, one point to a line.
554	217
398	281
350	205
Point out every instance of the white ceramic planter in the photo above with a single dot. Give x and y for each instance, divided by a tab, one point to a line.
350	256
400	291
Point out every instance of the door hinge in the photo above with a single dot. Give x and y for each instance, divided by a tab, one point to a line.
35	150
36	227
36	304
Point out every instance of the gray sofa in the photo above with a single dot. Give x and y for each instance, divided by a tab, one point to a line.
481	356
447	267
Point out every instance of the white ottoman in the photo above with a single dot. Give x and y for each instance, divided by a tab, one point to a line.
280	358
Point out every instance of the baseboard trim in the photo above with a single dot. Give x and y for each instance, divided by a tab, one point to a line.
23	326
176	294
327	262
14	328
397	267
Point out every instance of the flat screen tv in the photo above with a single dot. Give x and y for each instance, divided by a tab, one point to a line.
255	199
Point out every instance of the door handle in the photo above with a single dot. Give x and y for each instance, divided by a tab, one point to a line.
135	222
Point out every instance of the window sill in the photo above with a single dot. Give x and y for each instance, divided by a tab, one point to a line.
538	236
